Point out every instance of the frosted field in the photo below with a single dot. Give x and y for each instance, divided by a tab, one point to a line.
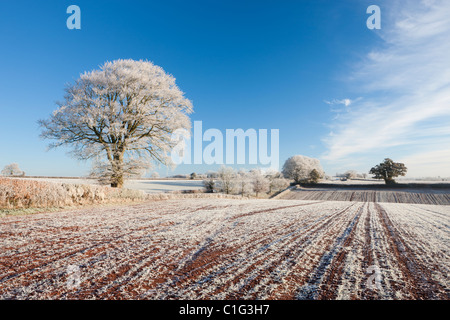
159	186
229	249
418	196
381	182
149	186
163	186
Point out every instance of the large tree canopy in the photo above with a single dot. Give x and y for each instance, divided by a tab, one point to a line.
388	170
299	168
124	113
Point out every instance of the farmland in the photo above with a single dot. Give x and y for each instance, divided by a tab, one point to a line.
229	249
421	195
146	185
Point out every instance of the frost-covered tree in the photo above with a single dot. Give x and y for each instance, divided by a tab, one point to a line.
155	175
12	170
276	181
278	184
298	168
125	112
226	180
259	181
351	174
242	183
388	170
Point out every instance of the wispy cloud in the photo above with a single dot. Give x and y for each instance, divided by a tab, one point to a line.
406	88
341	106
345	102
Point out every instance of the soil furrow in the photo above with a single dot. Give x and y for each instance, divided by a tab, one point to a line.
418	279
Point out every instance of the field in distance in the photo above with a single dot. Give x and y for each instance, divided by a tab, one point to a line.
147	185
418	193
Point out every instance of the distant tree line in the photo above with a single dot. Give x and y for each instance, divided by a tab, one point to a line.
253	182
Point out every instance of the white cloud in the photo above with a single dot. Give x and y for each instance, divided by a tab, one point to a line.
406	85
341	106
345	102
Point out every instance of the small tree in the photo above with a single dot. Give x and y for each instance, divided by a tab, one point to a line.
388	170
155	175
278	184
276	181
12	170
193	176
314	176
242	183
259	181
226	177
210	185
351	174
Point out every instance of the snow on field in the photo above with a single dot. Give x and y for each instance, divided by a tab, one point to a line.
417	196
149	186
158	186
229	249
354	182
381	182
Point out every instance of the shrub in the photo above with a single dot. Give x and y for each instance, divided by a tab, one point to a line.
314	176
210	185
20	193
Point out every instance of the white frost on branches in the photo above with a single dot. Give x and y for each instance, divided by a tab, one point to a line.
12	170
298	168
244	183
124	112
226	181
259	181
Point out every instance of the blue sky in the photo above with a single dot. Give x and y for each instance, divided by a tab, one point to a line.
336	90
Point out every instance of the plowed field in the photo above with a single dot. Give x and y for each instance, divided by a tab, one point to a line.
229	249
440	197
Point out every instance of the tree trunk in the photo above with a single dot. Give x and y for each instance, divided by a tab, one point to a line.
117	182
117	171
389	181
